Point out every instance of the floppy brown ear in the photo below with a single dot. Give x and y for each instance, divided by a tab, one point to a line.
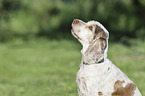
101	36
99	33
95	52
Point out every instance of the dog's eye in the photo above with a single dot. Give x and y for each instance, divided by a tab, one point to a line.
90	27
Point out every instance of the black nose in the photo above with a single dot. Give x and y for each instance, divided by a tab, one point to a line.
75	21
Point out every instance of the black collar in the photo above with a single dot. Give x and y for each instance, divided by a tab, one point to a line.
101	61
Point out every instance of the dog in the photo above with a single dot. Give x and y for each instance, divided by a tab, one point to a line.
97	75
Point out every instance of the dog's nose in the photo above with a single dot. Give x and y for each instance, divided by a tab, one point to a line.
75	21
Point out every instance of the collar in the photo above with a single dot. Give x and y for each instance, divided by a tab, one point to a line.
101	61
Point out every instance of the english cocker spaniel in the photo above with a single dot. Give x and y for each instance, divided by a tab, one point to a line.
98	76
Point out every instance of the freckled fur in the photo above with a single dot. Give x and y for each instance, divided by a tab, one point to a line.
95	78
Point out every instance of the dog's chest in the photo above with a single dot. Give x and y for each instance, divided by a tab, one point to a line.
91	78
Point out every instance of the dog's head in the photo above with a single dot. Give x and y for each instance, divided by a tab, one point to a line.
94	38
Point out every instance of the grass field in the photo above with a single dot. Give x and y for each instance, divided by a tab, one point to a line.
48	68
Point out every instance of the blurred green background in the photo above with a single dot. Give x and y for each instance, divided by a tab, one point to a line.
40	57
25	18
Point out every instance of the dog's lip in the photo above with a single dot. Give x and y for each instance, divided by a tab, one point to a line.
75	35
72	31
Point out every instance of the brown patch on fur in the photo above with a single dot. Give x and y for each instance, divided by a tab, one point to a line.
90	27
100	33
119	90
100	93
108	68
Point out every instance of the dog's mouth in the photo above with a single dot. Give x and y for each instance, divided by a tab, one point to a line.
74	34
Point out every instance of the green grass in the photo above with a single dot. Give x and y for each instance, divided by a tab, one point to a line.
48	68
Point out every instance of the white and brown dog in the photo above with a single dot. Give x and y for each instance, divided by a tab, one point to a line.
97	75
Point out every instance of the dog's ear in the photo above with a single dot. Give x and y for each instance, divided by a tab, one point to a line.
96	51
102	36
